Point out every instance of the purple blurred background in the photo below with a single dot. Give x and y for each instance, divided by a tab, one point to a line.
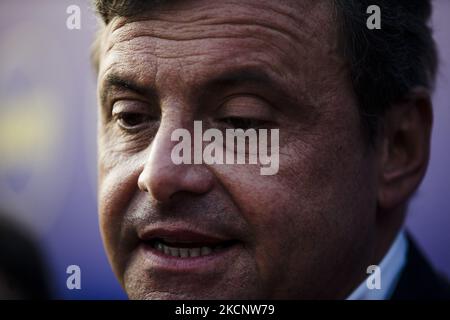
48	148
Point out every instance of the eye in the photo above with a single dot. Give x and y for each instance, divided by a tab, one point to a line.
244	111
132	120
131	115
242	123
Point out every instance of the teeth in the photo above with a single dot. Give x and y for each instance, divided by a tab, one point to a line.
183	252
205	251
194	252
174	252
166	249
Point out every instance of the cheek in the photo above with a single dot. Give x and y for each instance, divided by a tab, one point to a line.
118	176
117	186
320	200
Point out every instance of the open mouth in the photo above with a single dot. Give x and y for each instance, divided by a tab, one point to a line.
181	249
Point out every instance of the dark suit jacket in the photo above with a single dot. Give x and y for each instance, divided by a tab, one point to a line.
419	281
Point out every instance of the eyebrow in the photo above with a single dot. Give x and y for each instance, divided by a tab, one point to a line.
229	79
242	76
252	76
113	80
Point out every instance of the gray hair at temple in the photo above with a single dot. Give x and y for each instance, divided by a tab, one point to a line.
385	64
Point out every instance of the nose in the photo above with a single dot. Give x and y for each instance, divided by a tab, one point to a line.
162	178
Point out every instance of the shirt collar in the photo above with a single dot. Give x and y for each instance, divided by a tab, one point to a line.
390	268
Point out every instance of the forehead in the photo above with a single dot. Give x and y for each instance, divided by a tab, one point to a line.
203	37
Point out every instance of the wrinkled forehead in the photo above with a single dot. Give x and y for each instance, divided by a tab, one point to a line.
274	33
282	15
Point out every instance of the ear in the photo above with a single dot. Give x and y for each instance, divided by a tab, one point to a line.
405	148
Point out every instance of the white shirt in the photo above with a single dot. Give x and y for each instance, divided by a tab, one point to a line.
390	268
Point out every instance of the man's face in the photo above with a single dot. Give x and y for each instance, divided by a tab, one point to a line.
305	232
